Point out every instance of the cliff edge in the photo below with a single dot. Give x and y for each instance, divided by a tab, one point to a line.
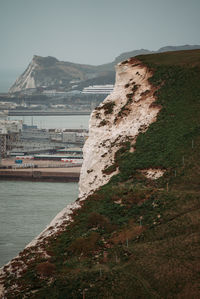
134	231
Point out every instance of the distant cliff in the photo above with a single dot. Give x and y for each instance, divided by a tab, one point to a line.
134	231
50	73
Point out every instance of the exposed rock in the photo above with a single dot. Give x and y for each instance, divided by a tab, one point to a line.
131	113
153	174
48	72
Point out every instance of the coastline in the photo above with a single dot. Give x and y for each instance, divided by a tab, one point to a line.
42	174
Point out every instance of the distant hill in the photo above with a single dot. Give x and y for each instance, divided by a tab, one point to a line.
126	55
50	73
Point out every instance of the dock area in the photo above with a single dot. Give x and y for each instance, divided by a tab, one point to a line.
40	171
42	174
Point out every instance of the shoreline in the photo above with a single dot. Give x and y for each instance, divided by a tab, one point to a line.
42	175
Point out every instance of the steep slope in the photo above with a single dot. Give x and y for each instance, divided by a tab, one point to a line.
122	115
137	234
50	72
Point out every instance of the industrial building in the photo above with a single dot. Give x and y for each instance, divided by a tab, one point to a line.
98	89
9	134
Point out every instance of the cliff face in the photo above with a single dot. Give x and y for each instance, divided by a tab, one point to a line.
123	114
48	72
128	237
26	80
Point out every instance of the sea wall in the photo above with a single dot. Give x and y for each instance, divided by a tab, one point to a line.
54	175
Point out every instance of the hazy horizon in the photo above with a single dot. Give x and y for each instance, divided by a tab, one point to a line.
92	32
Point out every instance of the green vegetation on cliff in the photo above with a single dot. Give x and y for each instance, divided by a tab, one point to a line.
136	237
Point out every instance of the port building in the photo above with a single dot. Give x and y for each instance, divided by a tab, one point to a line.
9	134
98	89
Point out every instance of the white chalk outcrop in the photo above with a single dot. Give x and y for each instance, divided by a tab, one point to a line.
153	173
26	80
123	114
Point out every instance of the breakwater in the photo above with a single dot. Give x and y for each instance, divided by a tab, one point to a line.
42	174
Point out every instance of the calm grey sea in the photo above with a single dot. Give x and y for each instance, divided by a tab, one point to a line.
26	208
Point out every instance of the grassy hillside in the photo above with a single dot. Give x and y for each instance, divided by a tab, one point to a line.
180	58
137	238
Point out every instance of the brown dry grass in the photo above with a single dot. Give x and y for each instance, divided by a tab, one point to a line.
85	245
45	269
128	233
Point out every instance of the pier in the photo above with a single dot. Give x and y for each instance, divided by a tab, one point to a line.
42	174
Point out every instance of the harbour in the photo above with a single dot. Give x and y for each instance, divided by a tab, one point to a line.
32	154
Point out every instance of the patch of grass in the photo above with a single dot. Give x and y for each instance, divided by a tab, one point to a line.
46	269
186	58
85	245
110	169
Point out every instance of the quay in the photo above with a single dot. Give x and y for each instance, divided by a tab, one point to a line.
70	174
45	171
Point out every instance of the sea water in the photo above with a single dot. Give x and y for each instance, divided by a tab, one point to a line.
26	208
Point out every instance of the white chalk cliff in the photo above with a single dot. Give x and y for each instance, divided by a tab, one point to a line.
130	109
123	114
26	80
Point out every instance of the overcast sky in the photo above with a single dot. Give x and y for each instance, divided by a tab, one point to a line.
92	31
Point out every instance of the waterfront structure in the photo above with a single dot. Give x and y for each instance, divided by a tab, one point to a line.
98	89
69	137
60	157
3	115
30	133
8	105
9	134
